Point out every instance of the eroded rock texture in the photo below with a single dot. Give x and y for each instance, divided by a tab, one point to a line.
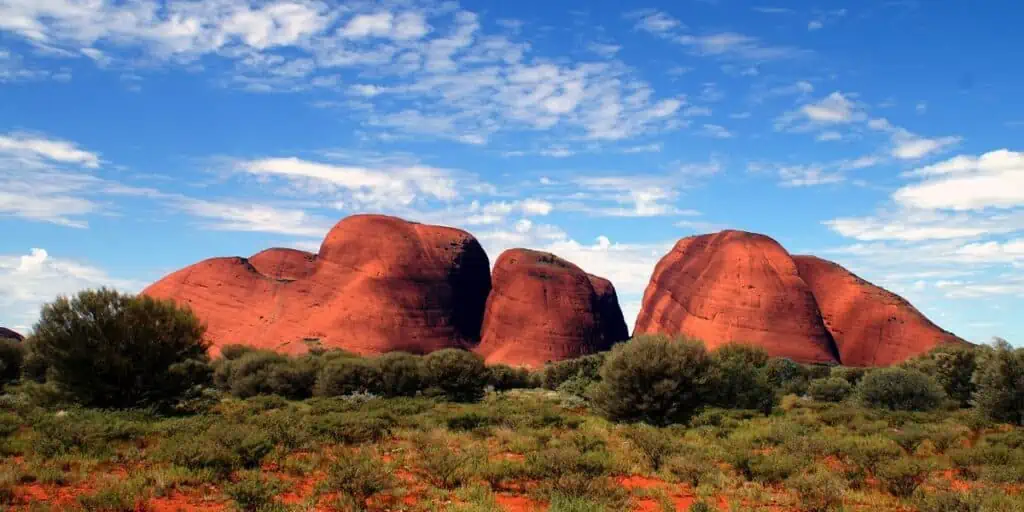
543	308
736	286
378	284
8	334
871	326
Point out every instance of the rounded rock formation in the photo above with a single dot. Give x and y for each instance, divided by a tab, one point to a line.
735	286
379	284
8	334
543	308
870	325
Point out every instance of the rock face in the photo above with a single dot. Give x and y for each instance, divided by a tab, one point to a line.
543	308
871	326
378	284
8	334
736	286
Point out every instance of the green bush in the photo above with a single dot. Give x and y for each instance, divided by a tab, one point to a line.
12	358
952	366
832	389
504	378
654	379
655	444
737	378
851	374
401	374
578	386
346	376
900	389
262	372
902	476
221	449
358	476
588	367
819	490
1000	384
253	492
458	375
869	452
786	376
108	349
234	351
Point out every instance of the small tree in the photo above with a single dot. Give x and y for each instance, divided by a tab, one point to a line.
1000	383
457	374
345	376
504	377
738	379
900	389
401	374
108	349
832	389
12	358
654	379
786	376
952	366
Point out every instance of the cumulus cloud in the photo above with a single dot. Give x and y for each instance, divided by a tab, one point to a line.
29	280
992	180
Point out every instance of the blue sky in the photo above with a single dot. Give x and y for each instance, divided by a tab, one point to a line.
137	137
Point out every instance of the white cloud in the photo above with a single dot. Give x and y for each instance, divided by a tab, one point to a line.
992	180
249	217
815	25
657	22
834	108
829	136
717	131
29	280
32	148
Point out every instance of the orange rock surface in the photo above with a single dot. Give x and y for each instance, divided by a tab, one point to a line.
736	286
543	308
378	284
6	333
871	326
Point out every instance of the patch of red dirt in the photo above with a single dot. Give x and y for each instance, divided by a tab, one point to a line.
512	503
641	482
182	503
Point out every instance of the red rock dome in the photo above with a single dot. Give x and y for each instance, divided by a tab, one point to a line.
379	284
543	308
8	334
736	286
871	326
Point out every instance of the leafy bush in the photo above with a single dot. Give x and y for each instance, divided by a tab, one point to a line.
346	376
767	468
400	374
902	476
253	492
851	374
786	376
832	389
358	476
504	378
108	349
261	372
1000	384
654	379
868	452
653	443
737	378
221	449
952	366
587	367
578	386
900	389
12	358
819	490
352	428
447	468
458	375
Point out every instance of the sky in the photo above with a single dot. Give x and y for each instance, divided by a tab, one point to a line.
141	136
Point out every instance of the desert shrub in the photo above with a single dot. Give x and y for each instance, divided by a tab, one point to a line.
952	366
692	466
359	475
653	443
253	492
504	377
766	468
458	375
578	386
948	501
401	374
127	496
234	351
851	374
868	452
469	421
819	490
654	379
352	428
1000	384
786	376
346	376
900	389
12	358
700	506
902	476
587	367
832	389
737	378
108	349
447	468
261	372
221	449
